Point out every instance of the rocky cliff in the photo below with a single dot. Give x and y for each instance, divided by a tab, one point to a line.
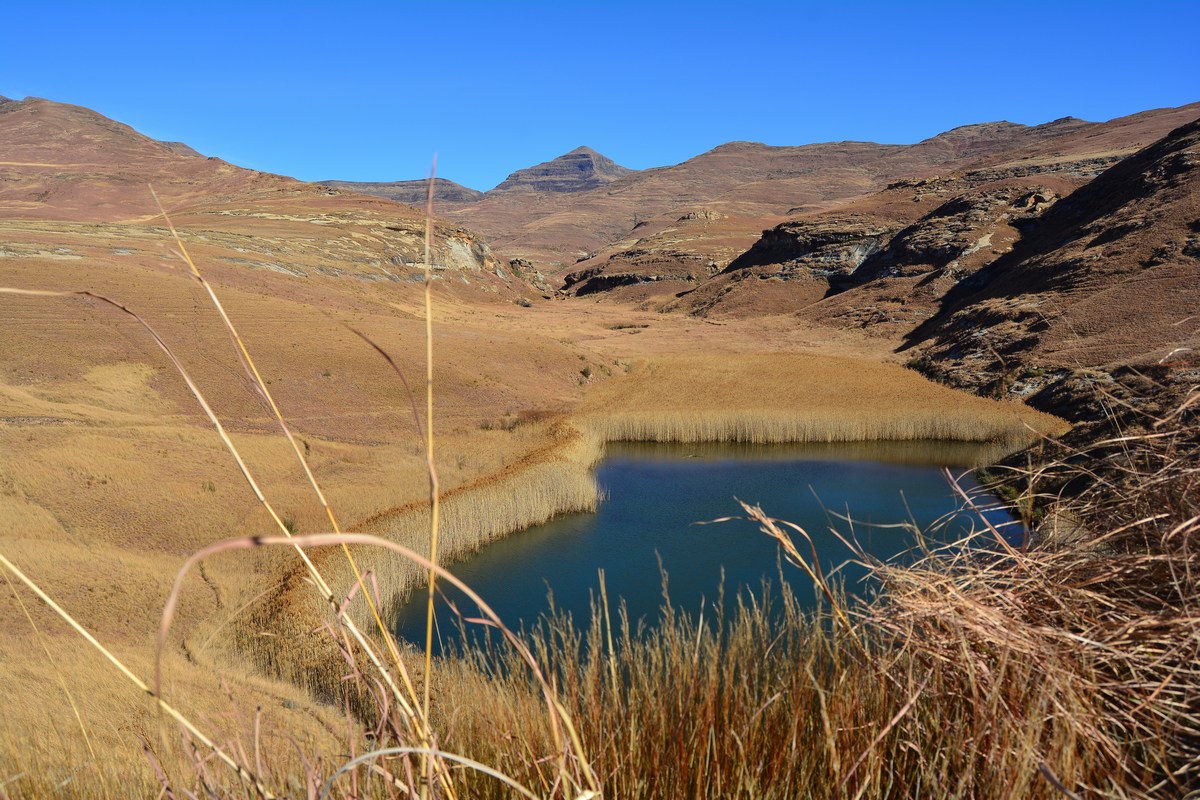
1104	287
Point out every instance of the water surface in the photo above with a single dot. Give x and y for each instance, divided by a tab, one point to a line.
655	495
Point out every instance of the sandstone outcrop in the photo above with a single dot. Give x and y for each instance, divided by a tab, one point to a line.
676	271
825	248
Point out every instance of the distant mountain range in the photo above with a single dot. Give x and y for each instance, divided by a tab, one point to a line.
582	204
1002	257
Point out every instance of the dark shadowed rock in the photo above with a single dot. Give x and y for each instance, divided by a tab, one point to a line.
577	171
832	246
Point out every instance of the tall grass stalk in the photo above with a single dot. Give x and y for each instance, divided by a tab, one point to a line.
416	721
434	489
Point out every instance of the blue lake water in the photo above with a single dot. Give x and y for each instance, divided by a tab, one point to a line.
655	495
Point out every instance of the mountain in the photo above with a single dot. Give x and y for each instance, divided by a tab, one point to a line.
72	165
754	186
67	162
412	192
577	171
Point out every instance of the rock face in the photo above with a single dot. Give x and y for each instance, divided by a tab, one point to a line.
577	171
1107	280
986	220
679	271
826	248
413	193
895	253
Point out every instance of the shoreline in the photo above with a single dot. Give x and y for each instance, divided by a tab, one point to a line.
557	478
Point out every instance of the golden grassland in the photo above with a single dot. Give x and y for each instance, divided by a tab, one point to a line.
109	479
798	398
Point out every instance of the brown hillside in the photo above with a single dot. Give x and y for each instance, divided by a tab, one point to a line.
414	193
945	227
1108	278
69	164
761	184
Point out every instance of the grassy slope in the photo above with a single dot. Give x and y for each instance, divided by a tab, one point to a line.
111	477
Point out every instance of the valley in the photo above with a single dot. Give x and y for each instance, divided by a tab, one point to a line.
1023	286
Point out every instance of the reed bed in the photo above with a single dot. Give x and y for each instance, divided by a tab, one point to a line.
794	398
1058	670
555	480
812	425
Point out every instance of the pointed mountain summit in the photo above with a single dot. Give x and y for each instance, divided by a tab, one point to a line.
577	171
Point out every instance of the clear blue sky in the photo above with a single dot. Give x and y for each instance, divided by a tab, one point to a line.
370	91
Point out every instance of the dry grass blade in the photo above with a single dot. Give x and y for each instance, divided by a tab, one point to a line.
770	526
166	707
882	735
260	385
559	716
431	464
54	666
366	758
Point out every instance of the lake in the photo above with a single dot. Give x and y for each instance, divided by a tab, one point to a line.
655	494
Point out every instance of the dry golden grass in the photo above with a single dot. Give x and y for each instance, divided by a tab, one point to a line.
109	481
797	398
1047	672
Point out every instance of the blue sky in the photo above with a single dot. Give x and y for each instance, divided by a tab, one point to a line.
370	91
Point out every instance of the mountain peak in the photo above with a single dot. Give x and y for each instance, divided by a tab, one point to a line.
577	171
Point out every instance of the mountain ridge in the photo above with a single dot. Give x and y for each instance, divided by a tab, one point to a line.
579	170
